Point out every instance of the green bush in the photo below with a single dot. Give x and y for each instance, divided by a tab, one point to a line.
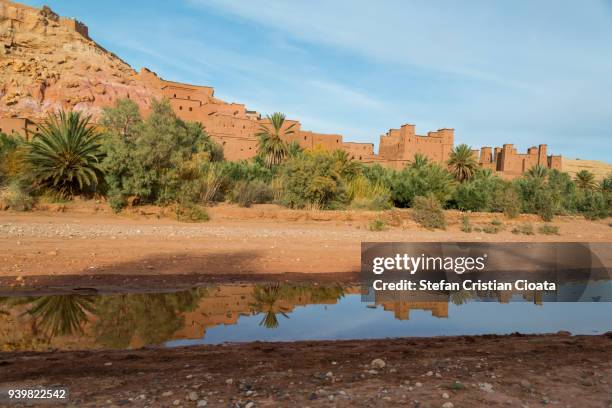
478	194
421	181
314	180
364	194
428	212
545	204
466	226
246	193
523	229
191	213
491	229
11	157
593	204
15	197
506	200
548	229
377	224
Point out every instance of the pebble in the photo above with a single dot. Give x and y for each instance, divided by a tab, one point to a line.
486	387
167	394
229	381
378	363
447	404
249	404
445	396
193	396
418	384
202	403
176	402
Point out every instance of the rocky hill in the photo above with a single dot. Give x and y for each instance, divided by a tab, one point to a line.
49	62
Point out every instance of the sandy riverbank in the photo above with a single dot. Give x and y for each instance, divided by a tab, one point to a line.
86	239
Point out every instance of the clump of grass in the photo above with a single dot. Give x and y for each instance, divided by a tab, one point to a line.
427	211
523	229
496	222
377	224
191	213
548	229
15	197
491	229
466	226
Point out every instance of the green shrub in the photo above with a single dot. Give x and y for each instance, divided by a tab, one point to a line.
421	181
15	197
506	200
377	224
364	194
314	180
593	204
428	212
496	222
491	229
11	157
545	204
466	226
191	213
523	229
548	229
246	193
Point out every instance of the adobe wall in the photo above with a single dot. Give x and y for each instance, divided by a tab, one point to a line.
21	126
509	163
235	127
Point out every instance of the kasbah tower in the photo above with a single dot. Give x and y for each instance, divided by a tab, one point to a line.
232	125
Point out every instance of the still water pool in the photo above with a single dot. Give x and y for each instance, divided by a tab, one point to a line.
273	312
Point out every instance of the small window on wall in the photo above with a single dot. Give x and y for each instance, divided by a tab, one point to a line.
304	137
180	108
190	109
175	95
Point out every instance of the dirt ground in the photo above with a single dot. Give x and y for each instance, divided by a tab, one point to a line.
514	371
82	247
86	241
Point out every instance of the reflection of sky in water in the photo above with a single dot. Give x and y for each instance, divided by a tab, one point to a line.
351	319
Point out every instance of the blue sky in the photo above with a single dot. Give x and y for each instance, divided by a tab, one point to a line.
523	72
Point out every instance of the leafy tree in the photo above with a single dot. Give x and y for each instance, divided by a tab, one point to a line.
159	160
462	163
66	155
271	145
585	180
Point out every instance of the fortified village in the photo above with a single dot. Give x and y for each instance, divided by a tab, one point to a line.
74	72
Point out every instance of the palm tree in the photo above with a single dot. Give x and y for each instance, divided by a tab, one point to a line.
419	161
537	172
62	314
462	163
265	298
585	180
271	145
294	149
65	155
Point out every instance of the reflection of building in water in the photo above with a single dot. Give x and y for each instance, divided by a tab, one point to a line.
227	303
402	309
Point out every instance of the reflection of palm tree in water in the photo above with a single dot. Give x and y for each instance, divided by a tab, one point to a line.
61	315
264	301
